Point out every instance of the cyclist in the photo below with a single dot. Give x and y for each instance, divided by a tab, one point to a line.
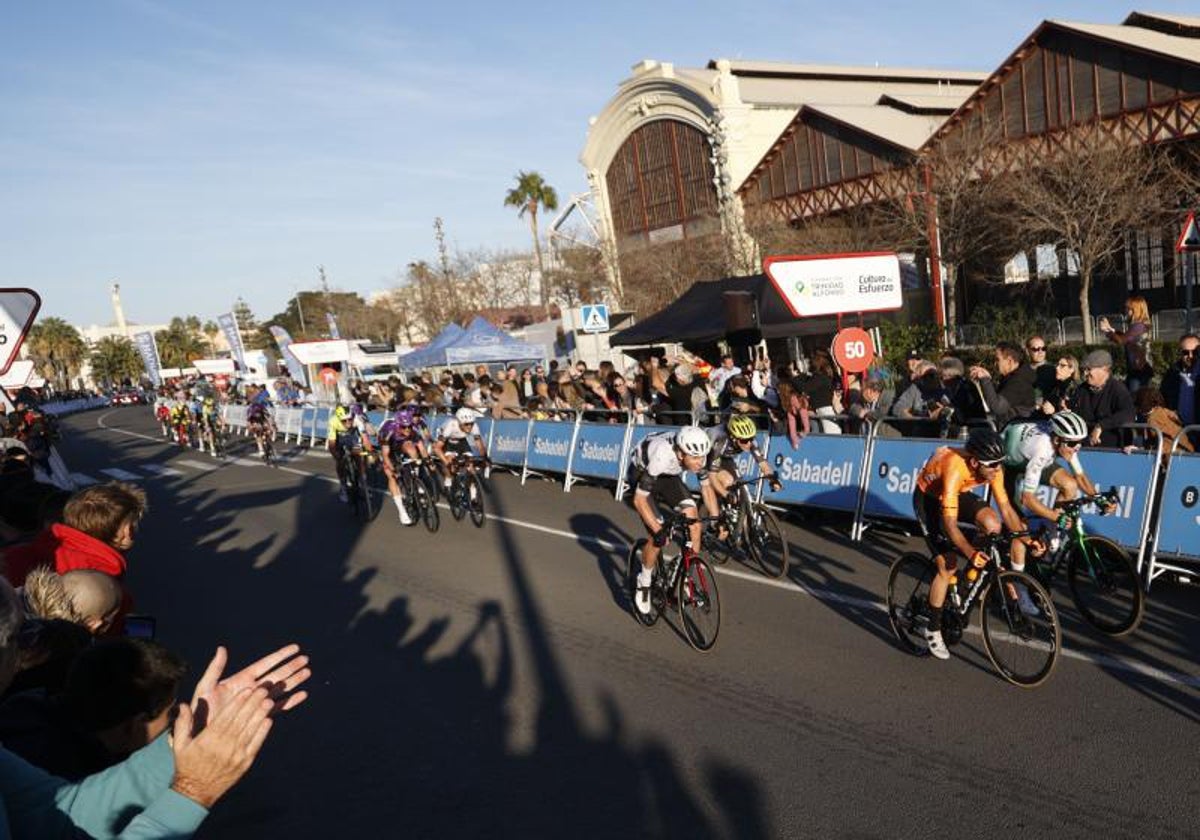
348	428
401	433
196	407
660	461
1029	463
162	413
180	415
258	418
943	500
454	438
737	436
210	420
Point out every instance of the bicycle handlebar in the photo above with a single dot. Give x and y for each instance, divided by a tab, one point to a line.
1108	497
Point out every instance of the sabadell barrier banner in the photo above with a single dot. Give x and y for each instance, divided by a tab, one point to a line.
823	471
599	448
1179	516
549	448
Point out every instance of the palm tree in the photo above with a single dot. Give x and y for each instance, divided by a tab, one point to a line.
179	344
211	331
530	193
114	359
57	349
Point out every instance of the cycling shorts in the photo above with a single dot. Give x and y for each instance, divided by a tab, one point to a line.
667	489
1014	477
928	510
457	446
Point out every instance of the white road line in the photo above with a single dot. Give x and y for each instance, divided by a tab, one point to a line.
120	474
198	465
159	469
83	480
1100	659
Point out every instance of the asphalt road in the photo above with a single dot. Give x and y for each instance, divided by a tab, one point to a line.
491	682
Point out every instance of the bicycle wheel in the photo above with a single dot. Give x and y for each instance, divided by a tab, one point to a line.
699	604
1022	644
409	499
458	497
366	505
633	565
1105	586
431	480
474	491
907	599
766	542
428	509
350	471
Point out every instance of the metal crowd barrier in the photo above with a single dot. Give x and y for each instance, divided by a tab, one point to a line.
61	409
1177	537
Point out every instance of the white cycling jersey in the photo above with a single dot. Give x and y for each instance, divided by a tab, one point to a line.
656	455
452	431
1031	446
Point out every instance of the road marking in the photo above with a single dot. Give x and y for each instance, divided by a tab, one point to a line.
198	465
83	480
120	474
159	469
1100	659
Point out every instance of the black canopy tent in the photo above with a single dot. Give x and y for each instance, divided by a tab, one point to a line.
698	316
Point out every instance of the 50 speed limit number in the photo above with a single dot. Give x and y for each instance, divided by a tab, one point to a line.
853	350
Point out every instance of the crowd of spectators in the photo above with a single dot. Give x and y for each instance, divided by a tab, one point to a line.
95	740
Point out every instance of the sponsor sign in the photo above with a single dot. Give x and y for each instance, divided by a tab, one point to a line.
18	309
828	285
233	337
148	350
825	471
294	366
892	474
1131	474
1179	516
598	450
550	446
508	442
18	375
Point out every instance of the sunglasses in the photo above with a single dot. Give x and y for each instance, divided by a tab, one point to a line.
1187	353
1041	349
1070	444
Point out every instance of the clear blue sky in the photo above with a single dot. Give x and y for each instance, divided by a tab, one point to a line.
198	151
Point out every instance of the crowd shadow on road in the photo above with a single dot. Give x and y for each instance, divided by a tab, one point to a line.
609	544
417	725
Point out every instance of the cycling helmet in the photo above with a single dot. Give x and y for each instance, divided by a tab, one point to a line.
356	410
404	418
692	440
341	412
986	446
1069	426
466	415
741	427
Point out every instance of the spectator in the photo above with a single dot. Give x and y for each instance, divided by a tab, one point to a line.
964	401
1061	395
866	405
793	403
1043	371
84	597
99	523
1012	397
1179	384
924	402
46	649
580	369
526	386
820	390
1152	410
916	364
721	375
116	700
1139	364
1104	403
684	397
505	405
741	401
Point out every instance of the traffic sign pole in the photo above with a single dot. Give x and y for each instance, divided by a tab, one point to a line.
1188	243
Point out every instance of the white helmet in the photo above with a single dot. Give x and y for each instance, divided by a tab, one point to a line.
692	440
1069	426
466	415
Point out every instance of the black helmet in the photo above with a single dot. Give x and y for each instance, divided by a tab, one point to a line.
986	446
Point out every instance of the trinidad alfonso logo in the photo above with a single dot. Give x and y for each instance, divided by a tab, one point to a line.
800	287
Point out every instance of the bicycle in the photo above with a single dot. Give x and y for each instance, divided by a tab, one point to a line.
420	504
358	483
753	531
1100	574
465	494
681	579
1010	635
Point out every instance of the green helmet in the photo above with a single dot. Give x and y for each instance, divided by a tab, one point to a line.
741	427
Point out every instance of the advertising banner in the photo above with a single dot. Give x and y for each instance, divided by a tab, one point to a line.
18	310
284	340
825	471
148	350
550	446
1179	515
233	337
598	449
837	283
1131	474
892	474
508	442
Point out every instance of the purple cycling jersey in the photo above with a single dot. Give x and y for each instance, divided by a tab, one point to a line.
392	433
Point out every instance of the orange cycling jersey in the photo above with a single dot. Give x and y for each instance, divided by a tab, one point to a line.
946	475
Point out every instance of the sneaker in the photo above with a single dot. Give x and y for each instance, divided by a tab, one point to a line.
342	497
937	646
642	598
1028	607
446	483
405	519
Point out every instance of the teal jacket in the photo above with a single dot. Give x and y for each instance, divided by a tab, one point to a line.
131	801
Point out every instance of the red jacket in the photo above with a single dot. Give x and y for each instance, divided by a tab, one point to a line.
67	549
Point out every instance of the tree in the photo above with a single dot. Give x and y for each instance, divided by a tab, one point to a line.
248	326
530	193
579	276
180	343
211	331
115	360
57	349
1087	196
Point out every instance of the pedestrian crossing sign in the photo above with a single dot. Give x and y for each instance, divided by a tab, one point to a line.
595	318
1189	237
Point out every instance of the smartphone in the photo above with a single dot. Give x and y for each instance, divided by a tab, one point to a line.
140	626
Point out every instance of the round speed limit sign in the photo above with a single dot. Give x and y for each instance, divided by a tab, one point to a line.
853	350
